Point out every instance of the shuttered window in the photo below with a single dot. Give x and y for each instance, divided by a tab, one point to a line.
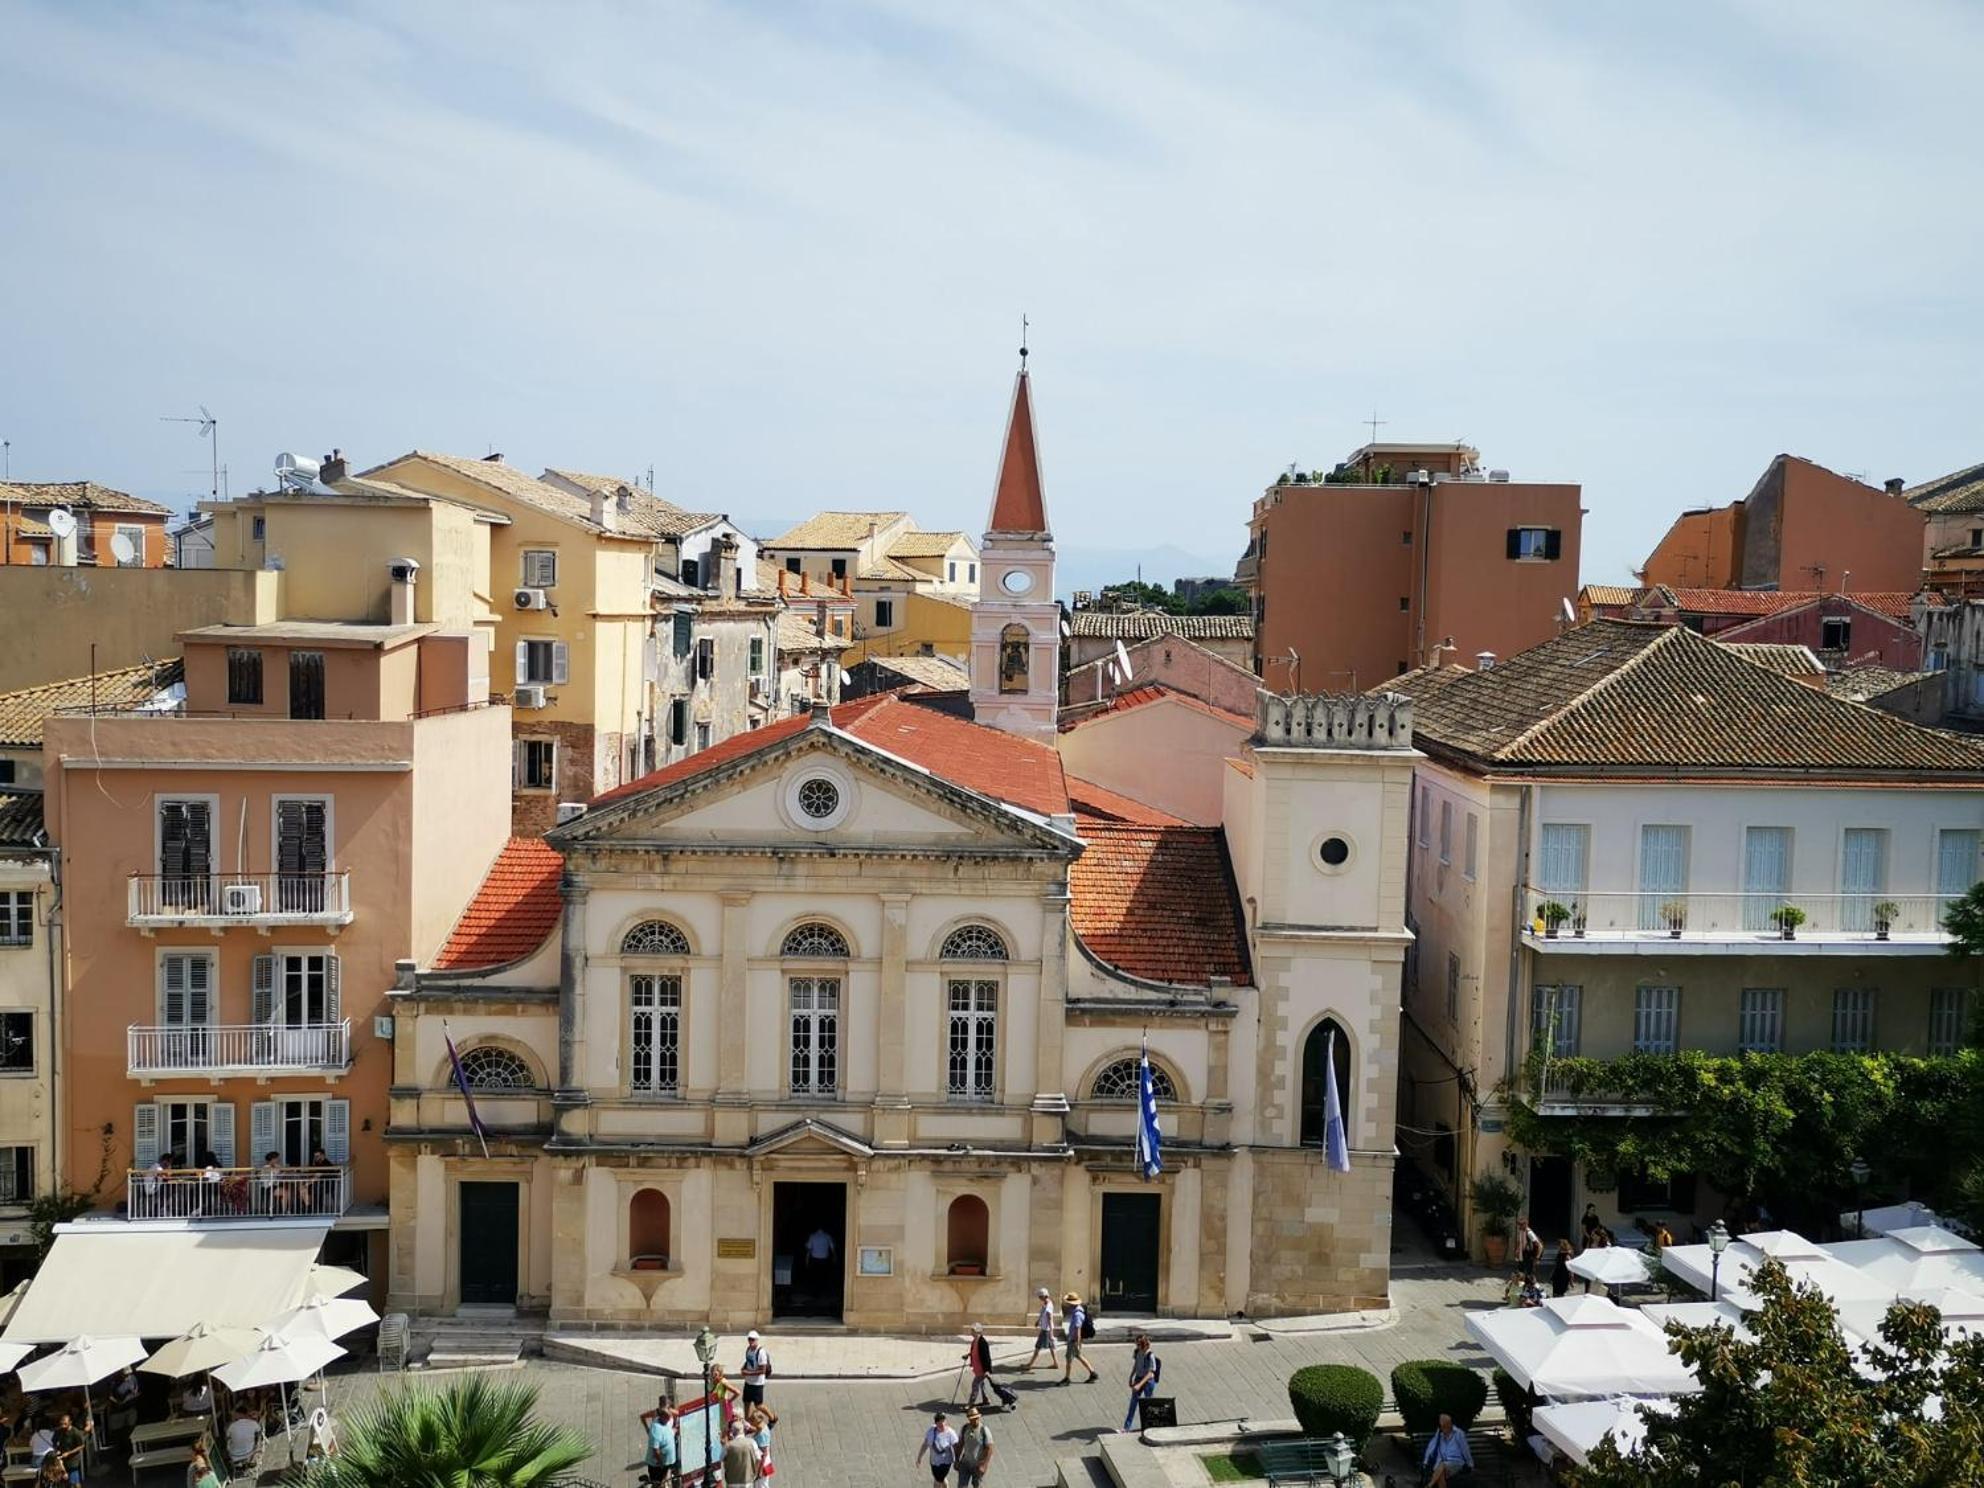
1656	1019
306	684
1556	1016
1863	874
1956	861
685	633
541	663
1663	876
540	568
303	853
1760	1021
1565	852
1766	873
185	852
244	676
1947	1006
1853	1020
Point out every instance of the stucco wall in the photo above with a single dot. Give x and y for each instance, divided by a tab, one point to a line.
60	621
1167	753
27	1109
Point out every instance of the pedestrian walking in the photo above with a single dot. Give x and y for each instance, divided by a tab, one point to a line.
979	1357
757	1369
940	1444
1043	1334
1529	1246
1080	1330
759	1421
659	1460
740	1458
974	1451
1560	1270
1145	1371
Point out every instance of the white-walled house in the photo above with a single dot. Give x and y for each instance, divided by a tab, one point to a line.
1608	833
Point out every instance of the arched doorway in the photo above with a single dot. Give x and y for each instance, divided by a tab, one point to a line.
1329	1035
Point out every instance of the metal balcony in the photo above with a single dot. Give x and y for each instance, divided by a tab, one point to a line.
237	1193
261	900
217	1049
1558	920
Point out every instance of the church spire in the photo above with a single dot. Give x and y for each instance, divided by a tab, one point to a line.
1019	504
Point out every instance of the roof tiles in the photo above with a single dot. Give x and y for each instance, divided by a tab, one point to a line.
836	529
1158	902
1153	692
83	495
1139	625
23	712
517	906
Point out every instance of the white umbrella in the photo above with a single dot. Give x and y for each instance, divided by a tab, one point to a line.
12	1300
324	1317
1577	1427
1962	1313
1888	1218
1699	1315
80	1362
280	1362
1614	1265
12	1354
333	1281
1916	1258
201	1348
1803	1260
1580	1347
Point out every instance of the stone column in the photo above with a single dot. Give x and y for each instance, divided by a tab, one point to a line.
733	1001
572	992
892	1025
1050	1094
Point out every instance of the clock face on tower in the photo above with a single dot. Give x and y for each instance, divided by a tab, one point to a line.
1016	581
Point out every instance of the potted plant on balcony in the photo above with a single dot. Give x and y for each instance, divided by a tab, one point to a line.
1787	918
1553	916
1674	915
1496	1200
1885	914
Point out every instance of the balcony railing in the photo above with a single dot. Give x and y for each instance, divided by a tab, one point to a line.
1562	915
261	899
237	1193
237	1048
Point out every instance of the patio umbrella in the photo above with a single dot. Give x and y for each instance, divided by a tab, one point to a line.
1887	1219
12	1300
1699	1315
1576	1428
333	1281
1962	1312
12	1354
1806	1262
324	1317
280	1362
201	1349
1917	1258
1579	1347
1614	1265
80	1362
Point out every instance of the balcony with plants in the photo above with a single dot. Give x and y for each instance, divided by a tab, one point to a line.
1559	921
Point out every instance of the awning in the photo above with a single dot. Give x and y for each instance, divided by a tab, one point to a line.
117	1279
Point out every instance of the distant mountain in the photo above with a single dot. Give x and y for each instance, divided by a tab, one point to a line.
1091	568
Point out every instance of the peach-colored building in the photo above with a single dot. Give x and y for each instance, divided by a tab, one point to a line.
242	874
1801	527
1402	549
108	529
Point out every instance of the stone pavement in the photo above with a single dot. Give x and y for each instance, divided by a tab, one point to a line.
854	1433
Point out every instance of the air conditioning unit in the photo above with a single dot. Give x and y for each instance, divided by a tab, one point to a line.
241	899
527	697
531	599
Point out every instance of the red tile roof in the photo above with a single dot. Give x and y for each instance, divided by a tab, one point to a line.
1020	503
705	760
1157	692
1893	603
1100	803
1158	902
515	909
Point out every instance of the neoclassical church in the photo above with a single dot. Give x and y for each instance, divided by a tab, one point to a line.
839	1019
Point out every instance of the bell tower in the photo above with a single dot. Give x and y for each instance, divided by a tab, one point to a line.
1016	625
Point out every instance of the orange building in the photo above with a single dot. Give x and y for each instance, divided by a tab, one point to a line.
1403	548
1802	527
101	516
242	878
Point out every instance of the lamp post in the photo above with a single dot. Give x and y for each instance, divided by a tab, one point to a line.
1718	1242
1339	1458
705	1346
1860	1171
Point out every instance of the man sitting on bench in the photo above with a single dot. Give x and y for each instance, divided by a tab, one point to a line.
1447	1458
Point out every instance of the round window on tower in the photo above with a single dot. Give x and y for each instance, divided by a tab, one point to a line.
1332	852
1016	581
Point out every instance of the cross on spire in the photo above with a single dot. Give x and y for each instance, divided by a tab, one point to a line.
1023	328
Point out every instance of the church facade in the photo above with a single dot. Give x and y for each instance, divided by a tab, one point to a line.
840	1020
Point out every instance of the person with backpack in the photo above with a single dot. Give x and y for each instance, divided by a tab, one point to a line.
941	1443
1081	1328
757	1369
1146	1369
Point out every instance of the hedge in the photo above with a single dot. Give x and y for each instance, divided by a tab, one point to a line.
1426	1388
1517	1404
1336	1397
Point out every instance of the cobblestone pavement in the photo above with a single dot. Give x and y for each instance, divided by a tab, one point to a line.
850	1434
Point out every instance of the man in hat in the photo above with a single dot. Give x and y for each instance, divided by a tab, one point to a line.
1043	1337
974	1450
757	1369
979	1356
1077	1319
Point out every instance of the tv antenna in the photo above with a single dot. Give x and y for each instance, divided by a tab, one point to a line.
209	430
1374	421
6	459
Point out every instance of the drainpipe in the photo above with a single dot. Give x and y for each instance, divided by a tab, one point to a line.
1525	808
55	960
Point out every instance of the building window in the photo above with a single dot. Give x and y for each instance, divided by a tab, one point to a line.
1760	1021
1639	1193
487	1067
974	943
792	565
244	676
757	656
16	1175
1118	1081
1404	603
1956	861
135	536
678	721
1453	987
1835	633
815	942
1853	1020
296	989
685	633
17	917
688	573
1471	846
1565	851
654	938
815	1002
6	772
1015	663
951	572
702	736
1425	813
1863	875
1947	1009
534	764
967	1236
1535	543
1766	874
185	853
186	1009
1663	878
540	568
839	567
885	614
16	1043
647	1231
541	663
1325	1038
654	1033
303	1131
1556	1017
306	684
1656	1020
705	658
974	1031
258	527
971	573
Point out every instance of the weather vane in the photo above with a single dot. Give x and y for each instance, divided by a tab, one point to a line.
1023	326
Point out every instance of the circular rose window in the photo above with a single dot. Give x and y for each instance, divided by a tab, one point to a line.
819	798
1334	852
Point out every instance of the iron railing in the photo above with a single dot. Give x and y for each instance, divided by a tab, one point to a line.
220	1048
237	1193
1564	914
240	898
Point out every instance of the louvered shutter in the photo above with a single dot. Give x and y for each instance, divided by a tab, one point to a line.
557	662
144	1135
220	1131
301	845
523	662
184	846
516	765
337	1130
263	1002
1553	543
332	1001
1956	861
1515	542
685	627
199	990
263	1122
172	991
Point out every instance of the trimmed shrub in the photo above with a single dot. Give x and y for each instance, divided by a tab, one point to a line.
1336	1397
1517	1404
1425	1388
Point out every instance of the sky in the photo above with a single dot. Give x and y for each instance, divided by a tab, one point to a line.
780	252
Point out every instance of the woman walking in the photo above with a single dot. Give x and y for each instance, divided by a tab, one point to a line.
1560	1270
1144	1372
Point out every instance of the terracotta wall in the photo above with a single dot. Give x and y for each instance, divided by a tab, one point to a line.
1702	550
1831	526
1870	635
1478	595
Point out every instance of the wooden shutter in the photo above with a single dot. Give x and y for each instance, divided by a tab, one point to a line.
302	846
685	627
263	1124
523	662
172	990
220	1132
558	674
185	847
263	1000
1553	543
144	1135
516	764
332	1000
1515	542
337	1130
306	684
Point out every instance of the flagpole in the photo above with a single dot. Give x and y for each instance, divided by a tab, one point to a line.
461	1083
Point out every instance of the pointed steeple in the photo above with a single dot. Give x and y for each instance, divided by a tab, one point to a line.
1020	502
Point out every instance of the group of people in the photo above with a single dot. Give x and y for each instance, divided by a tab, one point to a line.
743	1445
1524	1289
273	1188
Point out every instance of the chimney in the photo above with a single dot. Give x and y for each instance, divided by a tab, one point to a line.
781	583
331	469
623	499
725	552
1893	485
495	458
605	513
404	574
1484	661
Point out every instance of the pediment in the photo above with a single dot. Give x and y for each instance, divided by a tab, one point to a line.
810	1138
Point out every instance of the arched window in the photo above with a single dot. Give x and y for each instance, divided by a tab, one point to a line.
491	1068
1015	658
647	1231
1118	1081
815	941
973	943
968	1231
1325	1036
654	938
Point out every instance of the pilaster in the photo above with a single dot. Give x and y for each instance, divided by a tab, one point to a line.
571	992
1050	1096
892	1025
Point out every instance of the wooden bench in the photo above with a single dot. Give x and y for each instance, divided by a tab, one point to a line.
1294	1460
160	1457
1489	1448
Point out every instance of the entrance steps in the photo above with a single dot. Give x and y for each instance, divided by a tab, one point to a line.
477	1338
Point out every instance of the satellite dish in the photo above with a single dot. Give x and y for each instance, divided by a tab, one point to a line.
296	472
62	522
123	549
1570	614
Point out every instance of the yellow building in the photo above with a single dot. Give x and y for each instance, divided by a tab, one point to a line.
29	956
913	590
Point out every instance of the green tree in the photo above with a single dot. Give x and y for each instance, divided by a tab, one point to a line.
1796	1406
470	1433
1227	601
1964	921
1148	596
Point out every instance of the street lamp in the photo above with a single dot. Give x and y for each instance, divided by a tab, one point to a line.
1718	1242
1339	1458
705	1346
1860	1171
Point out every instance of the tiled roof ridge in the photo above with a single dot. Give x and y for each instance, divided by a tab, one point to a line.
515	907
1603	684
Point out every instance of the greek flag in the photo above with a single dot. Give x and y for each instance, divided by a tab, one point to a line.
1336	1150
1150	1161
